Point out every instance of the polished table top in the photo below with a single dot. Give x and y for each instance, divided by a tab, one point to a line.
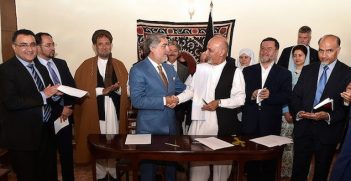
113	146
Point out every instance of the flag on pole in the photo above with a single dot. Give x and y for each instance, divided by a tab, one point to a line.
209	29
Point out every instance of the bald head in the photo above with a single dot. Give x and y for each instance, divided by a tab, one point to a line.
329	48
217	49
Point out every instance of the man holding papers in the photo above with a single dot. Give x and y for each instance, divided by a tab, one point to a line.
318	132
59	74
217	88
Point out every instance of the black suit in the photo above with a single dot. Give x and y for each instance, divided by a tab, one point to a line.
64	136
317	137
265	119
285	56
28	139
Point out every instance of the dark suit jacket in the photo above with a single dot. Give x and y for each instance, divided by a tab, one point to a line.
182	71
267	119
66	78
303	98
285	56
22	105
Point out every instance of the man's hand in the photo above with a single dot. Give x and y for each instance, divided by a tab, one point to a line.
318	116
171	101
264	94
50	90
347	94
111	88
211	106
288	117
66	112
254	95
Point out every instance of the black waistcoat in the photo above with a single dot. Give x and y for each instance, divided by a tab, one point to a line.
228	123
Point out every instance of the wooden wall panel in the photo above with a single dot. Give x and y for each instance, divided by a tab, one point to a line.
8	26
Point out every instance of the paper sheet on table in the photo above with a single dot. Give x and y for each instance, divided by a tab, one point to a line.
72	91
272	140
214	143
59	125
138	139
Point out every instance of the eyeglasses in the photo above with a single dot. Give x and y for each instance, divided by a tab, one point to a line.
49	45
26	45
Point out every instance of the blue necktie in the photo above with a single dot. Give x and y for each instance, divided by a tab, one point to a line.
321	85
54	76
40	85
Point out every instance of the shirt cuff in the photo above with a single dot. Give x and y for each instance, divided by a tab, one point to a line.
164	101
98	91
44	97
328	121
298	118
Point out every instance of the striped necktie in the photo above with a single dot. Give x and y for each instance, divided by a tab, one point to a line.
321	84
54	76
40	86
163	76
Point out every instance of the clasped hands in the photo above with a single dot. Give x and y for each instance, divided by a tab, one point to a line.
111	88
318	116
347	94
172	101
262	94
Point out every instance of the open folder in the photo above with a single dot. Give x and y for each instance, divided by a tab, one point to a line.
327	105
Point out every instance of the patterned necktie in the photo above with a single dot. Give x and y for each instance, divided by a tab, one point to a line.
163	76
321	85
54	76
40	86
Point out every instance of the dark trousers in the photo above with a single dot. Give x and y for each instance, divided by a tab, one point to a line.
261	170
37	165
148	170
304	149
65	149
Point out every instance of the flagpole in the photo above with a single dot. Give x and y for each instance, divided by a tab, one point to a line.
211	7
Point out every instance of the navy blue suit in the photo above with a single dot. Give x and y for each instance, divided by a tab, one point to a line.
147	92
265	119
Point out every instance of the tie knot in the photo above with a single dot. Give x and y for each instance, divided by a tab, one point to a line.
159	67
325	68
30	65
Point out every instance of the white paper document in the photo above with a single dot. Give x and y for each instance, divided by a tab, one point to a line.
138	139
72	91
272	140
214	143
59	125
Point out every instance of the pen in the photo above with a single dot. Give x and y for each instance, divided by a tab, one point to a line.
203	100
170	144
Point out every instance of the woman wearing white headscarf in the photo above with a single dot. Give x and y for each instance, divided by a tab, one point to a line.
299	57
246	58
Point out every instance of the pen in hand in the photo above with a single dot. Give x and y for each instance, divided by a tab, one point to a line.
203	100
170	144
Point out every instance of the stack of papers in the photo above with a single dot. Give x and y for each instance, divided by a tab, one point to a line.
214	143
272	140
138	139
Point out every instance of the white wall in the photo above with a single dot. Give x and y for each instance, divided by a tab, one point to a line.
72	22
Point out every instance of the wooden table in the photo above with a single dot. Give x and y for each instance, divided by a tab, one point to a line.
112	146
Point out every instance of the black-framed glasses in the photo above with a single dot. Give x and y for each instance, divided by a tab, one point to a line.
26	45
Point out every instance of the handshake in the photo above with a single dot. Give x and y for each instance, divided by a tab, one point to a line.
172	101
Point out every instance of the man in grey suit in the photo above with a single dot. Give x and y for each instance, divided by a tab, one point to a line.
183	73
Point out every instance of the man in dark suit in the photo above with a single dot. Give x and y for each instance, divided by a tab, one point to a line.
268	89
183	73
152	84
28	111
303	38
59	74
318	132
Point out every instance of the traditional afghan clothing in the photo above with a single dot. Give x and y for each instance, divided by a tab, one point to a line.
86	113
